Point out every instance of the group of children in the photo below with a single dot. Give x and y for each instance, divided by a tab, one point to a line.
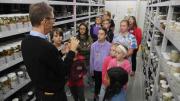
108	56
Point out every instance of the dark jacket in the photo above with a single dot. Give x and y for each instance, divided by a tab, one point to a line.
110	35
44	65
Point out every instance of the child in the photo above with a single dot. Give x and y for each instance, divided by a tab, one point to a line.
125	38
99	50
107	16
117	77
120	60
95	28
57	38
75	82
104	69
106	24
85	41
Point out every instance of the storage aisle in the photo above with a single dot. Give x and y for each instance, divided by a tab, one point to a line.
135	90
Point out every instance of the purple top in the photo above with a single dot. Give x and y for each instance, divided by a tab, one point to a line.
98	53
96	29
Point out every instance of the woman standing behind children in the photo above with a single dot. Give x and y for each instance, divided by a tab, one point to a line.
99	50
76	82
95	28
136	31
117	78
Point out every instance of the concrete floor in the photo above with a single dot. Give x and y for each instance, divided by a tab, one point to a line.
135	91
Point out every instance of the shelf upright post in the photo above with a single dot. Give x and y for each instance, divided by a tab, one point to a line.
169	17
74	15
89	20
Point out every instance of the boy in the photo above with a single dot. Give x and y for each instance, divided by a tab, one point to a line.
95	28
106	25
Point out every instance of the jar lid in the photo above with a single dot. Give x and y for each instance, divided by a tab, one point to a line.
174	51
30	93
177	75
151	85
15	99
165	86
4	78
162	73
20	72
165	94
11	75
170	94
163	82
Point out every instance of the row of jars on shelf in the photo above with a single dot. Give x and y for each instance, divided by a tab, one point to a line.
10	52
164	88
14	21
12	80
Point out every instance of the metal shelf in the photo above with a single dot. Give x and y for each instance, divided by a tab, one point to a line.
21	1
166	3
8	65
157	26
60	3
11	92
158	50
174	37
64	22
14	32
171	80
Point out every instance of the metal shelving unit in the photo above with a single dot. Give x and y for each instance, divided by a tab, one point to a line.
68	19
168	35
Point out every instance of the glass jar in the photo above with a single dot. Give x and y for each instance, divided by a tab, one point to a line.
2	57
9	54
19	24
12	23
30	95
17	50
164	88
13	79
177	27
5	84
162	76
175	56
167	96
21	76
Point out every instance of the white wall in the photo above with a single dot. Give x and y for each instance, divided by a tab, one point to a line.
120	9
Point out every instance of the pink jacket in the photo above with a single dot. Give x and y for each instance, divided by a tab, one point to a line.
104	68
126	65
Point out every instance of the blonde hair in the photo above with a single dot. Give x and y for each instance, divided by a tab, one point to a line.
123	48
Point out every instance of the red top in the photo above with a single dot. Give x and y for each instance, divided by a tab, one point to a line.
79	59
104	68
138	34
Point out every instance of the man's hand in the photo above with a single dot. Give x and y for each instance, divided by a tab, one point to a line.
74	44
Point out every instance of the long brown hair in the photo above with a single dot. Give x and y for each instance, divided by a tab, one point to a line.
135	22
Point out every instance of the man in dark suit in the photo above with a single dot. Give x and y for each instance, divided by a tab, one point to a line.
45	67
